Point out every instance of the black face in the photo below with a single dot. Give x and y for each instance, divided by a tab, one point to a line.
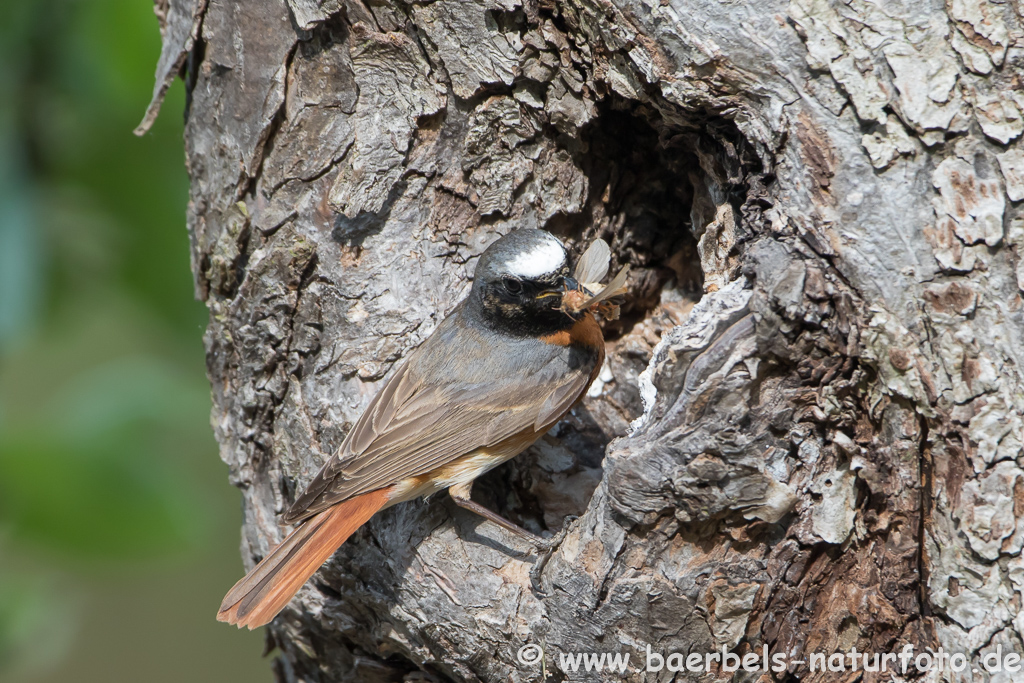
527	302
528	306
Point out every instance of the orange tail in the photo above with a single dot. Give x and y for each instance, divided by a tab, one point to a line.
264	591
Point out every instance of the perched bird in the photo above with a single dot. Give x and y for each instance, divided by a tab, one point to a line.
496	374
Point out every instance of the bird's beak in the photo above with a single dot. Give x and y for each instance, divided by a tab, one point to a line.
568	285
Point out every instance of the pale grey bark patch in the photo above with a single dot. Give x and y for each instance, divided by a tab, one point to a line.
180	21
309	13
1011	163
396	88
321	98
466	39
972	202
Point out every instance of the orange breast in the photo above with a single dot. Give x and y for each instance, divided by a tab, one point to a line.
585	332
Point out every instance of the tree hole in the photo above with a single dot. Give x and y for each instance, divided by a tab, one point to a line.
653	187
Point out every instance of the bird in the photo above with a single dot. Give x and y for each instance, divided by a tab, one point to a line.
497	373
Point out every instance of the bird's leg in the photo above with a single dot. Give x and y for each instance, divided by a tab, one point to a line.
460	494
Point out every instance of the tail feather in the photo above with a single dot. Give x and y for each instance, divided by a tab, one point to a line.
264	591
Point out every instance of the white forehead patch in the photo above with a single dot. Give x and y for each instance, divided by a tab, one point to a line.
542	259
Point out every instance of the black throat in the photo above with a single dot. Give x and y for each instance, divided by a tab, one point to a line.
516	320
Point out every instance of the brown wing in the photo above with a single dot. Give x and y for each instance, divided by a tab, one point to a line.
411	428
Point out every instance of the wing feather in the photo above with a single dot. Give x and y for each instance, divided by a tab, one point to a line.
561	400
410	429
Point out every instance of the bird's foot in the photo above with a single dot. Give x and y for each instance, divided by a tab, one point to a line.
546	548
551	542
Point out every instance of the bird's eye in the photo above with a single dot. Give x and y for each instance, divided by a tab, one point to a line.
512	285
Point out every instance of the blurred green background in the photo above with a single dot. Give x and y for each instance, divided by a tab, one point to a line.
118	529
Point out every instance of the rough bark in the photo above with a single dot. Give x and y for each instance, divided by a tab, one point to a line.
821	361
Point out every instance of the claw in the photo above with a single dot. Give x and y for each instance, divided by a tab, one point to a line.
552	542
547	548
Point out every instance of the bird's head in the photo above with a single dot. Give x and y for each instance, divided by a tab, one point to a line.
519	283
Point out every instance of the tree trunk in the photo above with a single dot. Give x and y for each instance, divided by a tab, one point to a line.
808	433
